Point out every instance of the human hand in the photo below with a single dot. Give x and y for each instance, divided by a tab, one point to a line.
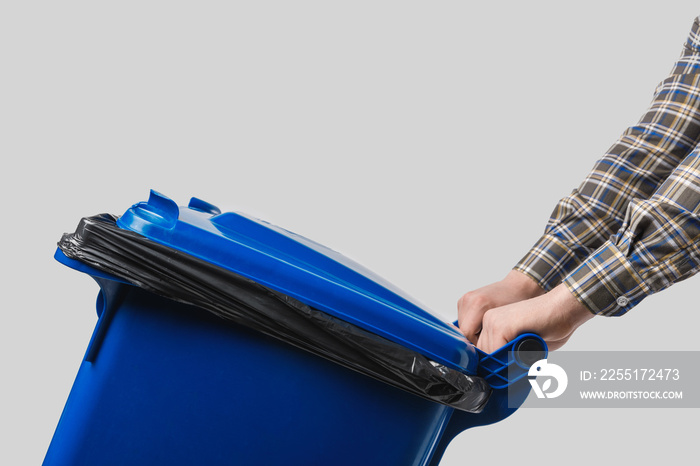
553	316
473	305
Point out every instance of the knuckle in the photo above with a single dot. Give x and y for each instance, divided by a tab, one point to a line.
474	300
489	319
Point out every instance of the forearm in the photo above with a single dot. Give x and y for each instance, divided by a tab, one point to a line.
632	169
658	246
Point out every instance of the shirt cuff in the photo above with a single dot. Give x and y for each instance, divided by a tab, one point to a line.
606	283
548	262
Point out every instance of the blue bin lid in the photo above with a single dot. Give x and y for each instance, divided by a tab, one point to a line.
300	268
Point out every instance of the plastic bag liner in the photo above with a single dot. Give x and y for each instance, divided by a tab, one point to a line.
165	271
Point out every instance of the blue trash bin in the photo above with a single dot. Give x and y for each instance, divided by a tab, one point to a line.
224	340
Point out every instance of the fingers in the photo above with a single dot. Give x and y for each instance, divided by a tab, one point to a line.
471	308
497	329
474	305
489	344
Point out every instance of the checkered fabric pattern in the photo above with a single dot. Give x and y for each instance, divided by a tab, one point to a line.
632	228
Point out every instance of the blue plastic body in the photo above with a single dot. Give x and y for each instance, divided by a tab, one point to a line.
164	383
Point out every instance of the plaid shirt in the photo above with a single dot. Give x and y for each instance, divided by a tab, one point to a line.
633	226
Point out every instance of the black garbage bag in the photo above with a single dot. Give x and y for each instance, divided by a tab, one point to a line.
101	244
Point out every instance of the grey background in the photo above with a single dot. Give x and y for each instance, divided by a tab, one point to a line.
427	140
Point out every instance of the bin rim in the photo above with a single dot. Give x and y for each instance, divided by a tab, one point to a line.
303	269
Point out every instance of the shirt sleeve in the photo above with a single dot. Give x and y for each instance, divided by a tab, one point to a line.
633	168
658	245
